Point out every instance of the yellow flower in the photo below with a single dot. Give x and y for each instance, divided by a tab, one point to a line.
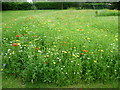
24	45
18	43
116	39
95	61
88	38
30	42
17	40
101	50
1	69
74	47
54	62
83	46
73	55
111	51
77	55
47	56
116	36
64	51
54	46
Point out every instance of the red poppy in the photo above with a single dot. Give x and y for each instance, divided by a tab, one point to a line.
80	29
15	44
36	48
82	53
65	42
84	50
17	35
80	88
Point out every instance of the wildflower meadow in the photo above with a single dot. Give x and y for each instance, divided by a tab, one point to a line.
61	47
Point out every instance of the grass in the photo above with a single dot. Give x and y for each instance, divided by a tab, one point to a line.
60	47
108	13
12	82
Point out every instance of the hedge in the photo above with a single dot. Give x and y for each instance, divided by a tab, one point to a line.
56	5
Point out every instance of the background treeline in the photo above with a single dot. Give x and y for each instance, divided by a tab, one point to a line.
57	5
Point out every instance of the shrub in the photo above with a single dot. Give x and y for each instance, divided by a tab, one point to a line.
108	13
71	8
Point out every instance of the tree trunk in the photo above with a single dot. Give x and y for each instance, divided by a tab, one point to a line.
62	6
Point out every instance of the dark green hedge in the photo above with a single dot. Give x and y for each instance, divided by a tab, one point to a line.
16	6
39	5
56	5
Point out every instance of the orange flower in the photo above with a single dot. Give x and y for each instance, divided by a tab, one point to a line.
45	63
36	48
17	35
26	34
84	50
31	17
68	15
35	36
80	29
82	53
7	27
65	42
65	23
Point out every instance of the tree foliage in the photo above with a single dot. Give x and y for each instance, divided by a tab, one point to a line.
57	5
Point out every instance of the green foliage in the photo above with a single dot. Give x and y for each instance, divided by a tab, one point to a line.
9	81
16	6
48	5
108	13
9	6
115	5
37	5
93	5
61	47
24	6
71	8
55	5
